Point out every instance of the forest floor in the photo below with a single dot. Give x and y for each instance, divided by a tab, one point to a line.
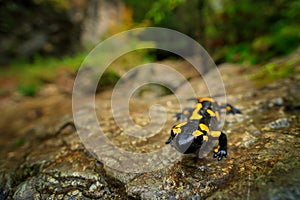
43	157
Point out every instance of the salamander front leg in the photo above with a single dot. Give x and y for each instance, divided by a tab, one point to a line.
221	150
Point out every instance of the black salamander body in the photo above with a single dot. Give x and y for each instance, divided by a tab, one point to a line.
201	124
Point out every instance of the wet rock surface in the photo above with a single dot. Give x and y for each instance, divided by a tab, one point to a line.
42	156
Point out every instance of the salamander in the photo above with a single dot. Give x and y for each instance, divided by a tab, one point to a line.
200	125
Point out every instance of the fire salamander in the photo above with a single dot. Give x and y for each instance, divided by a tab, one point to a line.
200	125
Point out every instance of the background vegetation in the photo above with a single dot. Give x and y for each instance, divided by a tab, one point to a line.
39	36
231	30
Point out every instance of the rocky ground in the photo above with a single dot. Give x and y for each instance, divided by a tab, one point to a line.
42	156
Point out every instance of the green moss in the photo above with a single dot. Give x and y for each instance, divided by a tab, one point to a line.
23	172
28	89
31	76
109	78
276	70
19	142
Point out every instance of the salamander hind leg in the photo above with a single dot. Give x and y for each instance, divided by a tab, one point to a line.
230	109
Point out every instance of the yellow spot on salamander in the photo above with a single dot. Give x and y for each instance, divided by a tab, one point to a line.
206	99
197	133
228	108
186	112
204	127
215	133
198	106
216	150
211	113
205	138
177	128
195	114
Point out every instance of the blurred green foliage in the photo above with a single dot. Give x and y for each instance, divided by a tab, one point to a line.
240	31
250	31
155	11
